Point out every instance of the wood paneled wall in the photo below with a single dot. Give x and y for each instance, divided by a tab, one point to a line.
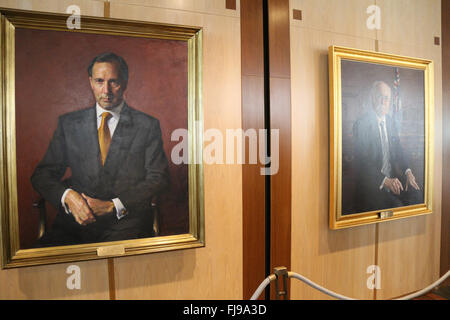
212	272
407	251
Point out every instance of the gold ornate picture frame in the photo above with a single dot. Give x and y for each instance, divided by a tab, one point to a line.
48	27
381	137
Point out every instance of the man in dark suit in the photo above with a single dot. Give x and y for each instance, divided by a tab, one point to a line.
116	157
384	179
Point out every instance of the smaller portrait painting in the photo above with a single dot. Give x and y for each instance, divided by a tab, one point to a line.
381	108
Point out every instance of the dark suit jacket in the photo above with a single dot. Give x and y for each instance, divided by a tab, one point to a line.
368	157
135	170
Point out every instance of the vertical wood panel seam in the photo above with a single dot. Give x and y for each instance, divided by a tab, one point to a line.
111	279
268	191
106	9
377	239
445	220
377	226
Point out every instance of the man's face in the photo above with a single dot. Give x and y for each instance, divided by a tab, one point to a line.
382	100
106	84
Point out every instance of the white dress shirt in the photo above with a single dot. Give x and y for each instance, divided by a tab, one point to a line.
380	120
380	128
112	125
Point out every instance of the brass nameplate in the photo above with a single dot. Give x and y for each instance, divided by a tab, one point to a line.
111	251
386	214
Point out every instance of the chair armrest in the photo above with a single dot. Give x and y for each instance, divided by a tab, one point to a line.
42	228
156	217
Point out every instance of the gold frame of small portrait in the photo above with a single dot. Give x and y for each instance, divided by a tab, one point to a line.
335	55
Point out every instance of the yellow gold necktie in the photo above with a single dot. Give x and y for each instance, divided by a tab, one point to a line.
104	136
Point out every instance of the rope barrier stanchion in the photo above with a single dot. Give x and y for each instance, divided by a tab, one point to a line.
282	276
314	285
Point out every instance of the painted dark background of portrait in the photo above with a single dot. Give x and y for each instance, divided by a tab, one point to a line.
51	79
357	79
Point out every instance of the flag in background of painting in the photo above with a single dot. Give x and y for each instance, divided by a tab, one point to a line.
397	113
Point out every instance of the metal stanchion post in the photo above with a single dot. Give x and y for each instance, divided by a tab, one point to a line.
281	272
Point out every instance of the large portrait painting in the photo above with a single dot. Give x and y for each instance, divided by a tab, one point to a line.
381	137
87	122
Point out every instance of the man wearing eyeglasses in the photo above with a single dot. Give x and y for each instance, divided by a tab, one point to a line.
116	157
